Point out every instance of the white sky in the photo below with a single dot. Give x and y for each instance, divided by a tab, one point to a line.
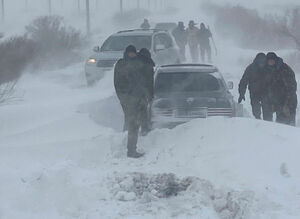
17	15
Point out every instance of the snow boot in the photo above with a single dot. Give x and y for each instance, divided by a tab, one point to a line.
134	154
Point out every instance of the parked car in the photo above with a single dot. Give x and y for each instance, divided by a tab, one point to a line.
187	91
169	26
159	42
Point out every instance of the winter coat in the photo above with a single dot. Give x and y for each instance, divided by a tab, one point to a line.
192	36
148	76
127	78
284	84
203	36
180	36
145	25
258	80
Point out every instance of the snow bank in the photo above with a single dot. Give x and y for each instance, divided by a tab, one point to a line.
56	162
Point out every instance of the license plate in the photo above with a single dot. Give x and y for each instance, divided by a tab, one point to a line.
199	113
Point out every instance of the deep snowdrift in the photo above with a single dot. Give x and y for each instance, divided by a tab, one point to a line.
63	156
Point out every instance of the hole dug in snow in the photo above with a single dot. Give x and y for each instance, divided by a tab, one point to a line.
198	193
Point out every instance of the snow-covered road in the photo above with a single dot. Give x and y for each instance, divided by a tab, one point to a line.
62	155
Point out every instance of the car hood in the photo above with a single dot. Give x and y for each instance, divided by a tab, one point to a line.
109	55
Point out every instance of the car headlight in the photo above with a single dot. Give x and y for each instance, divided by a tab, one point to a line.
91	61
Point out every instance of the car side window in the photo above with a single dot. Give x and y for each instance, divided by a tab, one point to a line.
163	39
168	41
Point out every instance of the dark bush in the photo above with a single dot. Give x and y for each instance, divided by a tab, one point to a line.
290	26
57	42
52	35
15	55
247	28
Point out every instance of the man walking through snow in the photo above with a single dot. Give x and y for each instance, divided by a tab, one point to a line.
147	75
131	93
258	81
145	25
284	88
193	42
204	35
180	37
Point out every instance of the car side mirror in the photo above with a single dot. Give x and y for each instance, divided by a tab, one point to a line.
96	49
160	47
230	85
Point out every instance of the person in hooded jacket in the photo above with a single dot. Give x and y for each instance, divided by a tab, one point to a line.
180	37
192	40
284	88
131	93
148	83
145	25
204	36
258	81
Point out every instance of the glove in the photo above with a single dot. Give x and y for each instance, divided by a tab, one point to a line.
286	110
241	98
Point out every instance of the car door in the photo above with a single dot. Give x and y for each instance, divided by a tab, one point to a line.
164	50
172	50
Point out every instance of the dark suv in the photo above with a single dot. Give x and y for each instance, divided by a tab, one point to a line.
189	91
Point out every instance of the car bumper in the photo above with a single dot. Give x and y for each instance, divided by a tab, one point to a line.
93	73
171	119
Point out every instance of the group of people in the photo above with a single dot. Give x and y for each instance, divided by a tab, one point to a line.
271	83
133	81
272	86
197	40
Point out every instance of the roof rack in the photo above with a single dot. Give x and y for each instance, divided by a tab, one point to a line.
188	65
154	30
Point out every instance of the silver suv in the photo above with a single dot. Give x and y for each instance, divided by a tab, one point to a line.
159	42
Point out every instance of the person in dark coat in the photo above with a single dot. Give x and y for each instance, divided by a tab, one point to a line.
258	81
148	83
180	37
145	25
204	36
193	41
284	88
131	93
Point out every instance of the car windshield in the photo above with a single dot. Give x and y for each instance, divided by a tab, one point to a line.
119	43
186	82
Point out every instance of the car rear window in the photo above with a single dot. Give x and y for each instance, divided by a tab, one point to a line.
119	43
186	82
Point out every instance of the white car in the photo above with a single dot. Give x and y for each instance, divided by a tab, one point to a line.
159	42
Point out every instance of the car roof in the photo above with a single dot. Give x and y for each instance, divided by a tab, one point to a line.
139	32
166	23
200	68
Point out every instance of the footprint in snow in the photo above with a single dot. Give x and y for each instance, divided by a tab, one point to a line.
284	170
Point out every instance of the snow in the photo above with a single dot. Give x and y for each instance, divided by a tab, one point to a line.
63	156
